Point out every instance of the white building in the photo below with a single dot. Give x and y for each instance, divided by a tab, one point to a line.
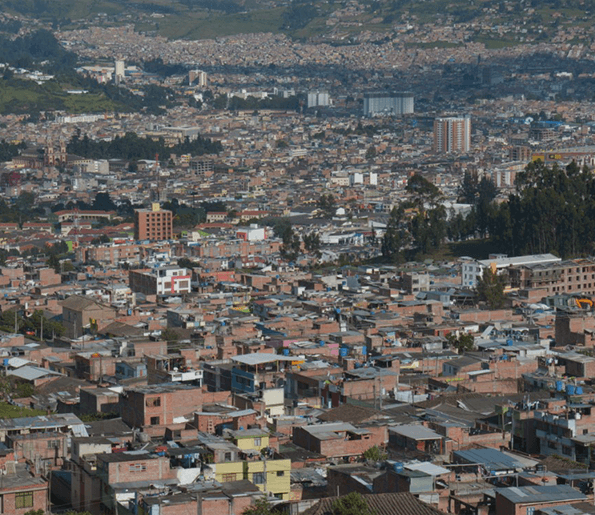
388	103
473	269
119	70
318	99
252	233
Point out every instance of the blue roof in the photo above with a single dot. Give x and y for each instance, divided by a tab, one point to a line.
491	458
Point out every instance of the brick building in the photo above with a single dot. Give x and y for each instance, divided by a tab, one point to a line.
80	312
155	407
153	224
528	499
338	439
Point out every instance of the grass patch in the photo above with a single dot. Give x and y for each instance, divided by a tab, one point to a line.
495	44
434	44
10	411
24	96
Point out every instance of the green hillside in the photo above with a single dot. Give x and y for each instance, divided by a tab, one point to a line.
26	96
309	18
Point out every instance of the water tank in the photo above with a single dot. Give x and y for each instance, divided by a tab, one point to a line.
509	343
579	390
570	389
321	343
559	386
398	466
343	351
285	352
364	351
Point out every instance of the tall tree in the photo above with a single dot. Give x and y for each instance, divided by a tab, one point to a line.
490	289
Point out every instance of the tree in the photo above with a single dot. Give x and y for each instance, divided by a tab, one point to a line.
351	504
396	236
103	202
261	506
371	152
169	335
375	453
462	343
312	242
422	187
291	247
326	203
490	289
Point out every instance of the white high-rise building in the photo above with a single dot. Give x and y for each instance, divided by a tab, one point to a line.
388	103
119	71
318	99
199	77
452	134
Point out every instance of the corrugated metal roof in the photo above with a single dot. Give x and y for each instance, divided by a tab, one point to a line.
533	494
491	458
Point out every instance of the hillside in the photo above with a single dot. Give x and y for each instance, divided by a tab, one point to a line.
498	23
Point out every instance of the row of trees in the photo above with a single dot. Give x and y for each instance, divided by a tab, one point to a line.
131	146
551	210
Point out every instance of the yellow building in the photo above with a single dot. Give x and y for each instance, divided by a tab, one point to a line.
272	476
250	439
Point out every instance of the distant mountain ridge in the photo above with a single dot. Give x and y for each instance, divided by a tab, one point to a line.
501	23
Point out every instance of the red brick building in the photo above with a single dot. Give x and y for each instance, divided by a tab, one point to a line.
155	407
153	224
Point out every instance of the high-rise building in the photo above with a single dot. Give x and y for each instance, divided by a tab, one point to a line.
318	99
388	103
119	71
452	134
153	224
197	77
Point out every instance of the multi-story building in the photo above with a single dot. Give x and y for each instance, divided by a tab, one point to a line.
201	165
388	103
569	276
270	475
198	78
318	99
473	269
153	224
167	280
158	406
80	312
452	134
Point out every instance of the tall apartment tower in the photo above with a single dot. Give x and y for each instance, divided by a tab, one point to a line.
119	71
197	77
452	134
153	224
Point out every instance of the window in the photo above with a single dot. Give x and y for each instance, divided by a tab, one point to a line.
53	444
280	473
257	442
552	445
227	456
228	477
154	421
258	478
23	500
154	402
137	467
